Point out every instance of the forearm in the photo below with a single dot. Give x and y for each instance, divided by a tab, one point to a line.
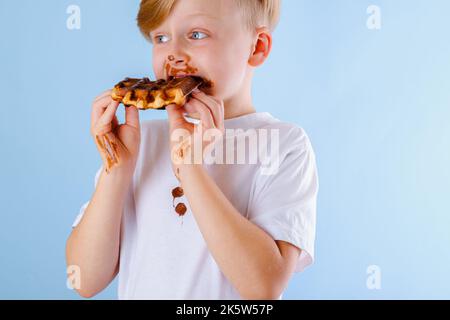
246	254
94	244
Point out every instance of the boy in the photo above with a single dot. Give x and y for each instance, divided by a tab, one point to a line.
244	231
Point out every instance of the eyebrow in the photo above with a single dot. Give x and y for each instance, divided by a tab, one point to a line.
199	14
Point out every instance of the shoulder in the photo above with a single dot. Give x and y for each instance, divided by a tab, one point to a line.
291	135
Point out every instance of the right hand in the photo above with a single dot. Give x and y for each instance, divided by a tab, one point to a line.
123	139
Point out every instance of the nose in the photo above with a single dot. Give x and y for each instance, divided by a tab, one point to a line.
177	59
177	54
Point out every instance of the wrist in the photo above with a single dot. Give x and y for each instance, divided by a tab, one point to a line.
121	171
184	171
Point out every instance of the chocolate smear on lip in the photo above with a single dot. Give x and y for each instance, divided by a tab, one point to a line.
171	71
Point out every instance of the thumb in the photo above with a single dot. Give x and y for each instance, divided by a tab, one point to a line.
132	116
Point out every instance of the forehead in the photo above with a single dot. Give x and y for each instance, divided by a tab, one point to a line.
218	10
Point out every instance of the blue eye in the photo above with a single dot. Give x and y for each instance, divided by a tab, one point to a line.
197	35
161	39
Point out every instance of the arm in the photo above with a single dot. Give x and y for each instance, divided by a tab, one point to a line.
94	243
257	266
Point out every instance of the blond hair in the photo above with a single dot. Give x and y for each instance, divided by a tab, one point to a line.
152	13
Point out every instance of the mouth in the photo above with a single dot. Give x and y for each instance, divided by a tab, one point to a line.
179	76
207	84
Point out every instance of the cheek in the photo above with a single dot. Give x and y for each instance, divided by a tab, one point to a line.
158	61
230	72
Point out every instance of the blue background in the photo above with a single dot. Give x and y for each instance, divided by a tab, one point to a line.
375	103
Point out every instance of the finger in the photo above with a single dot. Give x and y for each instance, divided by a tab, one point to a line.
115	122
132	117
104	124
99	107
206	117
214	105
110	112
175	114
102	95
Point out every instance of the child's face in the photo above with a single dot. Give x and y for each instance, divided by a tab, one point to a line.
205	38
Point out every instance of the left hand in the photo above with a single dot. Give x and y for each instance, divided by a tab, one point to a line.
185	135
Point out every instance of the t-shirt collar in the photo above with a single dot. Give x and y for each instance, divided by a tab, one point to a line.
247	120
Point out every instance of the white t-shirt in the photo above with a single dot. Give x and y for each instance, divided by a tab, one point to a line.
163	257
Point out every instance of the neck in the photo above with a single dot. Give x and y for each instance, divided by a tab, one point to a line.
240	103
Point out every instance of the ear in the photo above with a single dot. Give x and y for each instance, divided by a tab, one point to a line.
262	47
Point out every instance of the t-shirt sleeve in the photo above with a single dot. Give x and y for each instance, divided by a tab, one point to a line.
284	203
84	206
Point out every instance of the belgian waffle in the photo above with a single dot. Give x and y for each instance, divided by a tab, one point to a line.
146	94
